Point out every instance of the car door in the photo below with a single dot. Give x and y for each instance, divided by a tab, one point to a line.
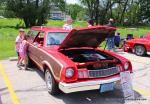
30	49
35	48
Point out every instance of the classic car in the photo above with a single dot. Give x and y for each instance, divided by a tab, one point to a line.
139	46
72	60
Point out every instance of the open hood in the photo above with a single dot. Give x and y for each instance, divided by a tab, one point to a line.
87	37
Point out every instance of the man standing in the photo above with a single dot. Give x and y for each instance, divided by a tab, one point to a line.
19	39
110	39
90	23
68	25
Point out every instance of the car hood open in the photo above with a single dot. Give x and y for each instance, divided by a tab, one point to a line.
87	37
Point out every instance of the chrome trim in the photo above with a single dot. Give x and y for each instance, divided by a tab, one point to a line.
86	85
99	73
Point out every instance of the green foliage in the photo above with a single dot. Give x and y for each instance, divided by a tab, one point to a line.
74	10
60	4
128	12
32	12
8	33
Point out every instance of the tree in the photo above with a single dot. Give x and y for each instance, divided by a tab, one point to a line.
90	4
144	13
73	10
33	12
132	10
98	9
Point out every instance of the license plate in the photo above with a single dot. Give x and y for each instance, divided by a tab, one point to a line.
106	87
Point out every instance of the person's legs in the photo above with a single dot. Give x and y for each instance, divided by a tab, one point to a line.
109	44
21	59
112	42
18	57
25	62
19	64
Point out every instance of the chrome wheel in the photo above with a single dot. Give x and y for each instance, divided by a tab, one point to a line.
48	79
139	50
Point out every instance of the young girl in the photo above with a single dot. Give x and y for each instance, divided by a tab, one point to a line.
23	50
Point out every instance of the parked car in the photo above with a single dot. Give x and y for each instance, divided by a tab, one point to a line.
56	18
72	60
139	46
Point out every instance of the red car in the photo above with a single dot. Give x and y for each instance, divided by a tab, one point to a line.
72	60
139	46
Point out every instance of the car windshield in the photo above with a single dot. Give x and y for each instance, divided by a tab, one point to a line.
55	38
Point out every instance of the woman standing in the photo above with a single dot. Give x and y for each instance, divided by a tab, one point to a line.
68	25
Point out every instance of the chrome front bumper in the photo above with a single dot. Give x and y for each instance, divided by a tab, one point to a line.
87	85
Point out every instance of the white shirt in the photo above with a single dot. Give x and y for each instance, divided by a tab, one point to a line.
67	27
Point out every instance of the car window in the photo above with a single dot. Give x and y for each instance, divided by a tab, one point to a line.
41	35
39	39
55	38
32	34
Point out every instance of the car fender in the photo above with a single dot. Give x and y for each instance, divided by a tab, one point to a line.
47	64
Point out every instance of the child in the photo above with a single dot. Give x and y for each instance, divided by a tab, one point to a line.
23	51
19	39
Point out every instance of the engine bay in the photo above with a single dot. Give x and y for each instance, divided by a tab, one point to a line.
91	59
82	56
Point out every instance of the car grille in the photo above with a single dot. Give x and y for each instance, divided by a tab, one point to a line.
103	72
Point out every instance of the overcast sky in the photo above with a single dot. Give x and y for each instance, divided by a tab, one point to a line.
72	1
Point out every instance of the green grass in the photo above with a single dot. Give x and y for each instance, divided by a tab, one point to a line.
136	32
9	31
60	23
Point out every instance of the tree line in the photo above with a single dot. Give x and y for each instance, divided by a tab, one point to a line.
124	12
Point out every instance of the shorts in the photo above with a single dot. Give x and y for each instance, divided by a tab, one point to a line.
18	54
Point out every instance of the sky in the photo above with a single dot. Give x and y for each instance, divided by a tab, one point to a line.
72	1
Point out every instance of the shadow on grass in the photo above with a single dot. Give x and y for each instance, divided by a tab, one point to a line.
13	27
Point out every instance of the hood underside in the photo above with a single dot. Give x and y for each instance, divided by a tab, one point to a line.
87	37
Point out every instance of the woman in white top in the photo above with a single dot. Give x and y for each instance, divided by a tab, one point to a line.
68	25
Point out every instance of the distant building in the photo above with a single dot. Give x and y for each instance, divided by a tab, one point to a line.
56	13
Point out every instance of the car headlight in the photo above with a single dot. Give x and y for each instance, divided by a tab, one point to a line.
69	73
126	66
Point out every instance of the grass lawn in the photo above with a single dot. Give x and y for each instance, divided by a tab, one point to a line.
9	31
